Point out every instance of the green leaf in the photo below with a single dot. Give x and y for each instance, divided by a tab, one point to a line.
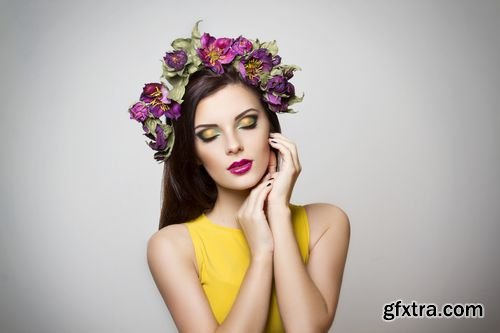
192	69
196	33
276	71
255	44
169	72
264	77
292	67
271	46
179	87
236	65
296	99
151	125
160	156
181	43
170	144
167	129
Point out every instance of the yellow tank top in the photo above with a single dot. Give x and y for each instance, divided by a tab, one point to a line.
223	256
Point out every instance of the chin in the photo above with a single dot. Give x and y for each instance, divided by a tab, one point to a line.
244	182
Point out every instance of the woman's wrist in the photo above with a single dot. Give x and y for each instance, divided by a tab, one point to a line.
278	212
262	257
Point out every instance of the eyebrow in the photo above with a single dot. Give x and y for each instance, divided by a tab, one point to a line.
235	118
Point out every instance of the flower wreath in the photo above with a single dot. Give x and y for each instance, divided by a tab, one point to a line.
257	63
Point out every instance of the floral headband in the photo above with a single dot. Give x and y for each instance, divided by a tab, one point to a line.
257	63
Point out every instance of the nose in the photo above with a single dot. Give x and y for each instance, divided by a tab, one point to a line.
233	144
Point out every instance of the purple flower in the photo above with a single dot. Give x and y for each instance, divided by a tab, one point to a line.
258	62
176	59
157	109
155	97
277	84
161	140
174	111
138	111
215	52
290	89
275	103
171	110
154	91
242	45
276	60
288	73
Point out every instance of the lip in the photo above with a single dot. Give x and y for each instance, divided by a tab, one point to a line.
240	167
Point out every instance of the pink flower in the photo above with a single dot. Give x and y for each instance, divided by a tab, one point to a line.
157	109
154	91
138	111
174	111
216	52
154	95
242	45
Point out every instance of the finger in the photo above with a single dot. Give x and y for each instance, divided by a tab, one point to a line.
255	191
255	197
272	162
286	154
247	206
261	198
293	151
265	178
290	145
281	138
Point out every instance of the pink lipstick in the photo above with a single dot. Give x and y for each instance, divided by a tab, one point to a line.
240	167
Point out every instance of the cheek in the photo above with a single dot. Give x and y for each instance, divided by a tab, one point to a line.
261	145
202	154
210	155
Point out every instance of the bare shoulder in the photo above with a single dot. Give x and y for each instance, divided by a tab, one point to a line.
329	242
171	242
325	217
171	259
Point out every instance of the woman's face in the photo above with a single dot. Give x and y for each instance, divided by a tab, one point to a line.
231	128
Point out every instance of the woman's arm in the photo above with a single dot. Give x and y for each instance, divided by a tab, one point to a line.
170	258
172	263
308	296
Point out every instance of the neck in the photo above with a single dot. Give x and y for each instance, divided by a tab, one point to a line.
226	206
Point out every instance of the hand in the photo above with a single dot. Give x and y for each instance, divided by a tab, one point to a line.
285	178
253	221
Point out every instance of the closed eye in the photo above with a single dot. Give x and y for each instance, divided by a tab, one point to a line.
249	122
207	135
210	134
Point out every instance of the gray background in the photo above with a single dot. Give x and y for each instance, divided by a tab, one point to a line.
400	127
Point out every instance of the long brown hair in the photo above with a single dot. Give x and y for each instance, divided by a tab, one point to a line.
187	189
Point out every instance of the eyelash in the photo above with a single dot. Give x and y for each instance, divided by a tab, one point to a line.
252	126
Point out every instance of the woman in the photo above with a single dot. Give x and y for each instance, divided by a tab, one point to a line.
232	253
